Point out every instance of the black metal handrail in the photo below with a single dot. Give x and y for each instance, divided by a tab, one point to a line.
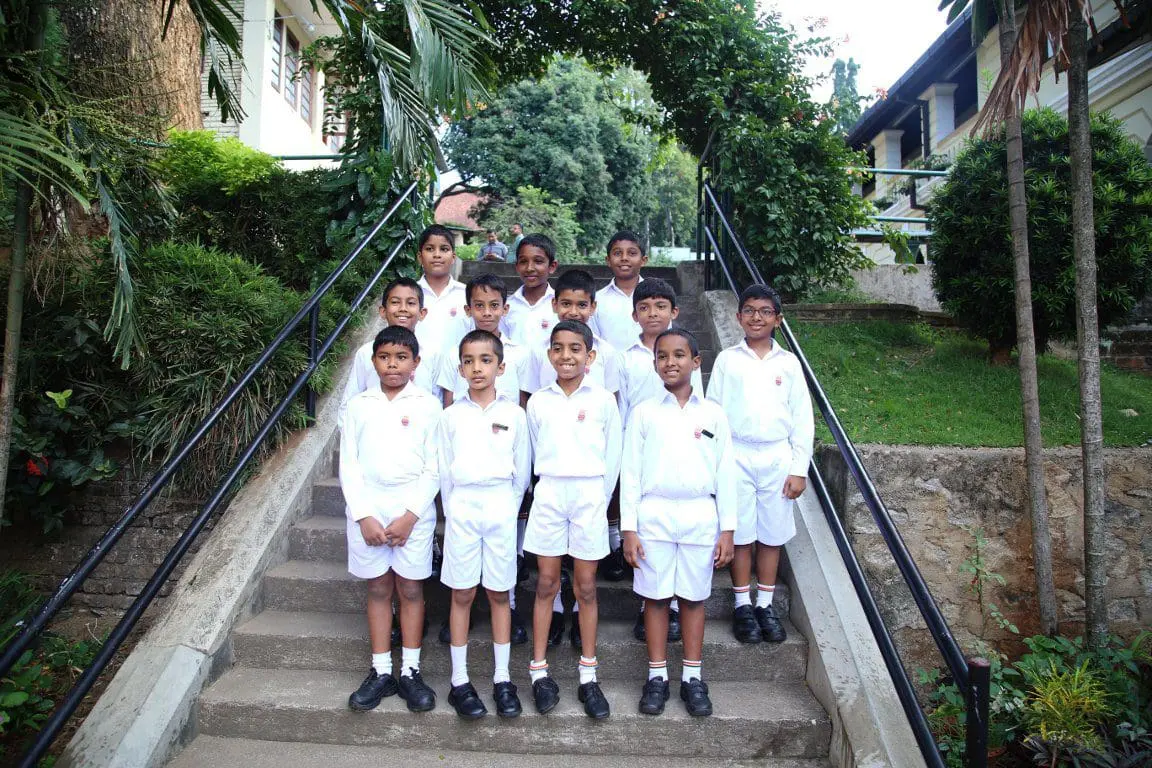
970	675
163	476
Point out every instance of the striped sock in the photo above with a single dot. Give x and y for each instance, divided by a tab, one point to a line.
538	670
743	595
764	594
588	669
692	669
658	669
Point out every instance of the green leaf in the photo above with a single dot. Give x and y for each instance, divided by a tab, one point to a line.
60	398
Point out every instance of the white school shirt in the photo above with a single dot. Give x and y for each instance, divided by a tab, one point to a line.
765	399
517	371
578	435
529	324
444	324
364	377
639	380
484	445
388	447
604	371
613	318
678	453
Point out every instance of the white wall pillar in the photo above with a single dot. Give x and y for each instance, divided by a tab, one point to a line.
257	44
941	98
888	155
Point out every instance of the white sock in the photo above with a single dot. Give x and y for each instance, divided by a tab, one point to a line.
512	598
674	605
409	660
657	669
764	593
692	669
614	536
557	604
502	652
588	669
521	527
538	670
382	663
743	595
459	664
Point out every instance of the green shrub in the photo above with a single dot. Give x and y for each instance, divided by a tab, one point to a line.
468	251
537	211
200	160
972	269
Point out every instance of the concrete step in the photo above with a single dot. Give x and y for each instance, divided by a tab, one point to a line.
217	752
326	586
750	721
339	642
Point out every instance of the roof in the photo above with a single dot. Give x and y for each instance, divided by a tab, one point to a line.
951	48
452	211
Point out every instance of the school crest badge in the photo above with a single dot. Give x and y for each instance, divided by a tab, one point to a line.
452	312
403	421
779	380
580	416
544	323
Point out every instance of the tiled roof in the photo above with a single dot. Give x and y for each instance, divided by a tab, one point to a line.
452	211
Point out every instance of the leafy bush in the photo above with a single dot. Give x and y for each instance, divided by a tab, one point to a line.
199	161
468	251
537	211
972	271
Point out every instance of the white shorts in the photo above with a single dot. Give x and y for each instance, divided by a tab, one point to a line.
568	517
412	561
674	570
480	538
763	514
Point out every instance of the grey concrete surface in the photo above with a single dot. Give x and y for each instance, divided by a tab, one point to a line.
750	721
897	284
339	641
845	670
147	707
213	752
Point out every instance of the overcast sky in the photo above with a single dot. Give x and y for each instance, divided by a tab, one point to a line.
885	37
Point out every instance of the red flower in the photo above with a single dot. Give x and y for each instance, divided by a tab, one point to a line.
33	468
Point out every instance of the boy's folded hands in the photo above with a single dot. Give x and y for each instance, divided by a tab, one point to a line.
373	532
398	531
633	549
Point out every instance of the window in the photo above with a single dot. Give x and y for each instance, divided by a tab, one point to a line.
337	131
291	67
306	83
277	50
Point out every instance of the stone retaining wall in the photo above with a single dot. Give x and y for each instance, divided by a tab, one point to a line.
937	495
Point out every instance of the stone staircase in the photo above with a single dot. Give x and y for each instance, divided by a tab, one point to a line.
283	702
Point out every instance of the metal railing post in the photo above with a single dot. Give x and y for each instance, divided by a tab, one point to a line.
313	332
976	724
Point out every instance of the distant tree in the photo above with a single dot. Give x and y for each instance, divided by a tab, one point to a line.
535	211
673	181
846	100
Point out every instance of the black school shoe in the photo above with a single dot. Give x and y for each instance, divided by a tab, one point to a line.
654	695
674	633
744	625
507	702
771	629
556	630
519	631
638	630
546	694
372	691
467	702
694	694
416	693
595	705
612	567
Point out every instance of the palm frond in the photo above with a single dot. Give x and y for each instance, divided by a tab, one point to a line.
1045	24
219	43
28	150
122	320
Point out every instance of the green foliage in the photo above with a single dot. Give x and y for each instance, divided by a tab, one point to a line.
847	103
200	162
1066	706
468	251
673	181
972	270
537	211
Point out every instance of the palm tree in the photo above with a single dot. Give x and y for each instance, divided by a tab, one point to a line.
1049	24
984	13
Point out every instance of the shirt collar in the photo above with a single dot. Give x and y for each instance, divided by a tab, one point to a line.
692	398
452	286
467	397
519	296
743	347
612	287
555	387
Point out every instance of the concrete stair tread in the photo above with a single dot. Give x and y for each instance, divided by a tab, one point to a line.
216	752
339	641
750	720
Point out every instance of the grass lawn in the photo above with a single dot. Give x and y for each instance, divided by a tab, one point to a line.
916	385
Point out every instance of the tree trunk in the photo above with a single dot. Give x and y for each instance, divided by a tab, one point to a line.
12	328
120	43
1026	346
1087	331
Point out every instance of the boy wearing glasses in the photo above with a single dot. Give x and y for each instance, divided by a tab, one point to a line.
763	392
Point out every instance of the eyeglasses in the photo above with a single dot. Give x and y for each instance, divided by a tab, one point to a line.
751	312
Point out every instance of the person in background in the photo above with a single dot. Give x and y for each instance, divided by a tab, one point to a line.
493	250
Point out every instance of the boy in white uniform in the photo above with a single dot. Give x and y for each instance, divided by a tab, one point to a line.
485	460
443	294
654	309
530	307
613	318
576	439
486	305
402	305
678	512
388	472
762	389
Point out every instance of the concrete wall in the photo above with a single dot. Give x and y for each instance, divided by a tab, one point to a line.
895	284
937	495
